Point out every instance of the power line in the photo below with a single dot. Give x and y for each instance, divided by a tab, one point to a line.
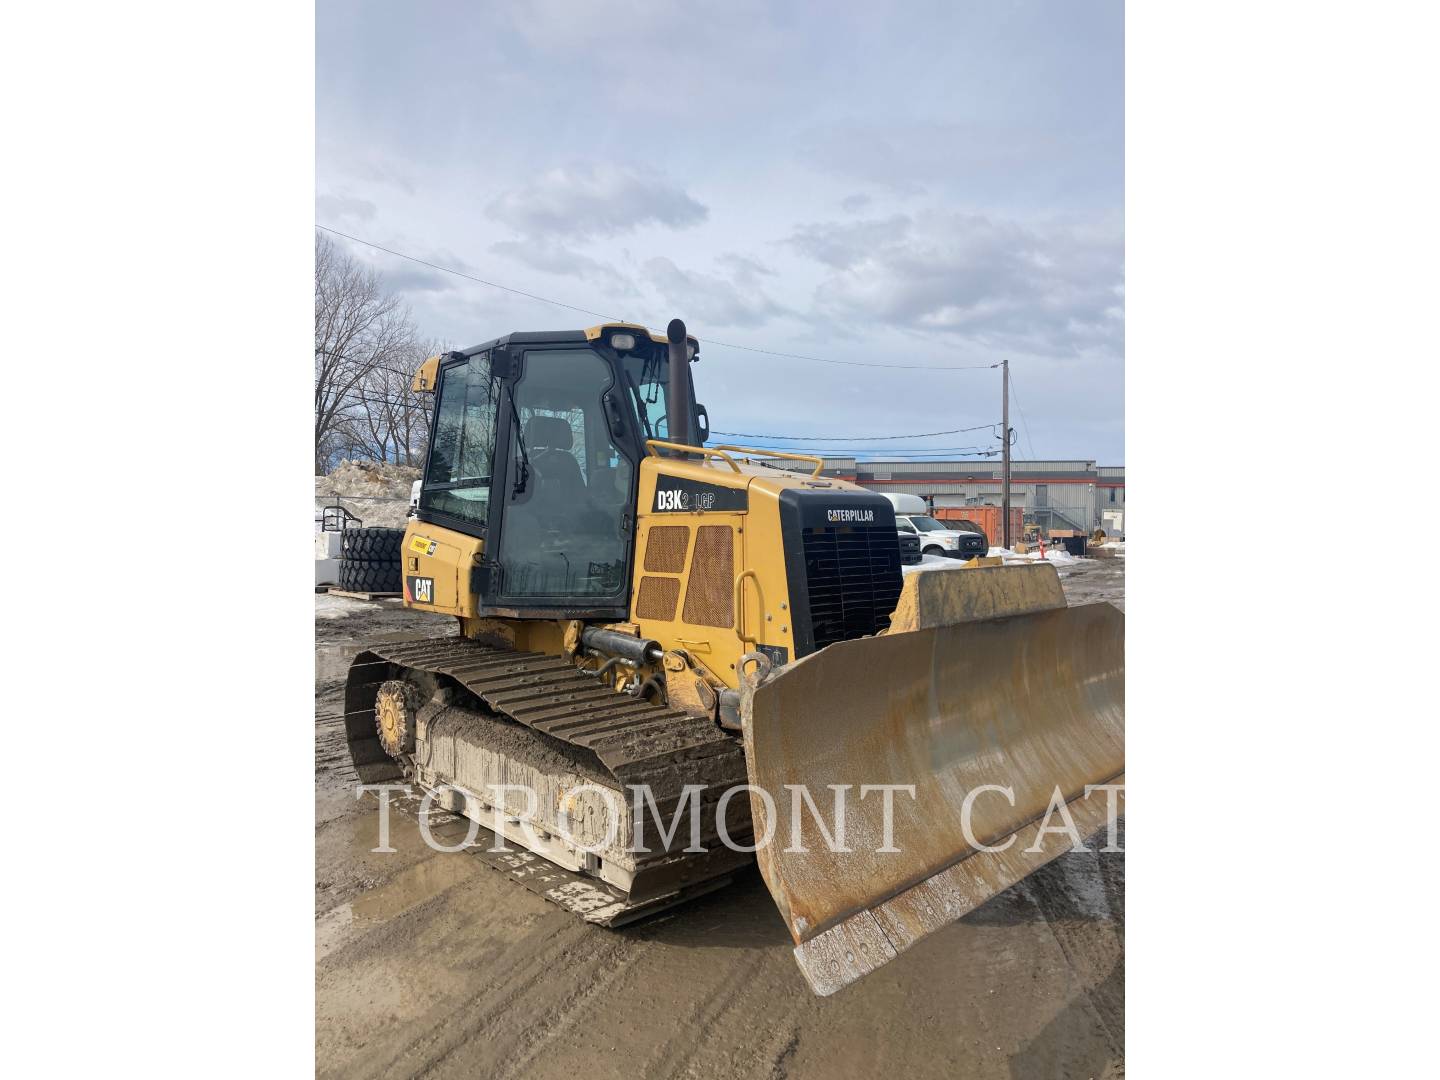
357	360
362	397
854	438
616	318
867	455
833	451
851	451
1023	422
850	363
468	277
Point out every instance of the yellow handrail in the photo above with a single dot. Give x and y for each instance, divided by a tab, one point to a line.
651	444
819	461
720	452
740	604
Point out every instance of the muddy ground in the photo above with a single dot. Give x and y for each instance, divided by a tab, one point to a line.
435	964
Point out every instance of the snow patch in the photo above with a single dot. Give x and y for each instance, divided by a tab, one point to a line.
932	562
337	607
1057	555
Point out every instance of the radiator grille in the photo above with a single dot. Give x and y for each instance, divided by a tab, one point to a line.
665	549
852	576
710	596
657	599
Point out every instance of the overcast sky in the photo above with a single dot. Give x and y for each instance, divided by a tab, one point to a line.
914	183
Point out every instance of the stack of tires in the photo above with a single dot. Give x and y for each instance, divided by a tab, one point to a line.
370	560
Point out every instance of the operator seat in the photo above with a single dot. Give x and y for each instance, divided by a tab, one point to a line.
558	482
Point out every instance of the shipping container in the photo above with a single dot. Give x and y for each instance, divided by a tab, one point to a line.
987	517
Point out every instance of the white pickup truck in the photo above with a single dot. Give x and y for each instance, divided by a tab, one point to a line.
913	516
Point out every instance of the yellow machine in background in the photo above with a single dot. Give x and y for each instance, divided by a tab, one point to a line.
637	610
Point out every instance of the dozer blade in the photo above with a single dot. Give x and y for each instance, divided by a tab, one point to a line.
1011	689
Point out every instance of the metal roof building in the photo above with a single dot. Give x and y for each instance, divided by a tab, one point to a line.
1072	493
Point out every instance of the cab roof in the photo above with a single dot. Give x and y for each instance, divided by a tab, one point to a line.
424	377
571	337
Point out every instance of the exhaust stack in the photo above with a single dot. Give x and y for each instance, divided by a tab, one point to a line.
680	407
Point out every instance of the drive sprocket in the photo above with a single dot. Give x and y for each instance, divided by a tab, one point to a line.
397	703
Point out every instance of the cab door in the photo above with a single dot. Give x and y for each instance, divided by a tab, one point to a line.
566	506
445	541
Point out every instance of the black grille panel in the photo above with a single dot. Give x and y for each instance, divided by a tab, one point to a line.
852	577
909	549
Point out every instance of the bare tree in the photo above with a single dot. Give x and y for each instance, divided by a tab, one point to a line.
396	419
361	330
412	423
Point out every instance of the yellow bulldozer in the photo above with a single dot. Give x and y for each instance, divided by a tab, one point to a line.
673	659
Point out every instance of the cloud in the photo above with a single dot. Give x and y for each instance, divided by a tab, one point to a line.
585	201
993	161
408	277
551	258
842	245
853	204
1047	289
735	55
717	301
745	270
417	279
383	173
343	208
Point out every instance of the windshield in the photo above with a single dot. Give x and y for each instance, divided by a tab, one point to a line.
927	524
647	381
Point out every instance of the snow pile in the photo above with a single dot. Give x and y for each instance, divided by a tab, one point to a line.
931	562
377	492
1057	555
368	478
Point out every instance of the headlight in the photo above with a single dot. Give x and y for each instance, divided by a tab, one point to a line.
622	342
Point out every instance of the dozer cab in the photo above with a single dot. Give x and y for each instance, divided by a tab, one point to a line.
674	659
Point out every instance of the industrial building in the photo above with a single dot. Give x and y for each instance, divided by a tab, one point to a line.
1075	495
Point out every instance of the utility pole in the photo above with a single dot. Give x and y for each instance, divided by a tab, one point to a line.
1005	453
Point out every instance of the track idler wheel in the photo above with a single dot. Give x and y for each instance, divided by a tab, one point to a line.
397	703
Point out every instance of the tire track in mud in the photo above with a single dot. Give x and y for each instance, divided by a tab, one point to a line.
670	1058
502	970
609	989
563	1012
445	1027
737	1032
1077	885
332	753
519	994
592	1007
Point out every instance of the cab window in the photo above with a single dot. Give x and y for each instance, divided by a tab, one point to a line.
647	381
462	448
565	533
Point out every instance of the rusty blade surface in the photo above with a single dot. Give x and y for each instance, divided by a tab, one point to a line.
1032	703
